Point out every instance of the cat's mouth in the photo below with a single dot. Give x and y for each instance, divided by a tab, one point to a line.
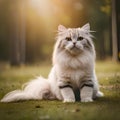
75	50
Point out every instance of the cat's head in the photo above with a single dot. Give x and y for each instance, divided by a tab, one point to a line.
75	40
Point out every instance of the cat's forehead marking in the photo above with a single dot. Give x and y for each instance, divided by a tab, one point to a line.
73	32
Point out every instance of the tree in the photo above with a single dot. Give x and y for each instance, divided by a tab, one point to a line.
17	32
115	30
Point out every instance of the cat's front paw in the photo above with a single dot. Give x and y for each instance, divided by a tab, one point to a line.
86	100
68	101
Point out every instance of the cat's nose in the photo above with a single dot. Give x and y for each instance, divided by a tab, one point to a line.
74	43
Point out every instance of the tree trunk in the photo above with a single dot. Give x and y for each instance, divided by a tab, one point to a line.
14	35
17	33
22	36
114	31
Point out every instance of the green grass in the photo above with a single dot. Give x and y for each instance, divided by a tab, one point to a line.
106	108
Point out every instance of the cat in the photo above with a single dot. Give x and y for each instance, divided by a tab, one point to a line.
72	74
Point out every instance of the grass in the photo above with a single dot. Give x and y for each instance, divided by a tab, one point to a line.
104	108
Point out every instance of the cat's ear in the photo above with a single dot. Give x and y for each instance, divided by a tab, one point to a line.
61	28
86	27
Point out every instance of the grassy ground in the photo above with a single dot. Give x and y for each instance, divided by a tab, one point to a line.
106	108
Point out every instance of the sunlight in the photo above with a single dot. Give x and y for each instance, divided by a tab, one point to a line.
50	13
46	10
53	11
42	6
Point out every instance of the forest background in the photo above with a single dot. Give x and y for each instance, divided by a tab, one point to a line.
28	27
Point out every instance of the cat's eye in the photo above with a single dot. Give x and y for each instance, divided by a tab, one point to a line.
80	38
68	39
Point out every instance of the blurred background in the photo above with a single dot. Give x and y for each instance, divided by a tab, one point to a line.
28	27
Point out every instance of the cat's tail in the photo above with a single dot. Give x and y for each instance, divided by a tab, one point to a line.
36	89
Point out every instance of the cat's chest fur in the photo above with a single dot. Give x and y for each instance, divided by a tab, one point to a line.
74	76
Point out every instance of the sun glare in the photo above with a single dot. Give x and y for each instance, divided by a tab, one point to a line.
42	6
53	12
46	9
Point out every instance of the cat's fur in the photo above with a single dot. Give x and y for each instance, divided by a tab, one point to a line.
73	71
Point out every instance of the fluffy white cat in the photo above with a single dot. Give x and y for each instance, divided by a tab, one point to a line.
72	76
